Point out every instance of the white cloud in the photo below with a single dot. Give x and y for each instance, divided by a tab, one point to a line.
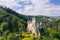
8	3
38	7
42	7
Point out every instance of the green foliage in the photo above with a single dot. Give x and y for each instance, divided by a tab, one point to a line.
3	26
11	22
12	26
11	36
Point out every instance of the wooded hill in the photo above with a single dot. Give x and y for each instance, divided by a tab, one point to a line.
12	22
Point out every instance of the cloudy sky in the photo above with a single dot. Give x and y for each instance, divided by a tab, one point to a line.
33	7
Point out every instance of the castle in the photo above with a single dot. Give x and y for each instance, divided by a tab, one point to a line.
33	27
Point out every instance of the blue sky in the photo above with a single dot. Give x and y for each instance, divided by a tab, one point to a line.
55	2
33	7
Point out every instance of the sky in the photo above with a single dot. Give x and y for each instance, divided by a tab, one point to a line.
33	7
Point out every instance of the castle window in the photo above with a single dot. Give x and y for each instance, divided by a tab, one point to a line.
30	31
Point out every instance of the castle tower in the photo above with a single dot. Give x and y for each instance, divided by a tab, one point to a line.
32	27
34	21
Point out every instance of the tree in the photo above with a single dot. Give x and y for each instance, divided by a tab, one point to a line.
11	36
3	27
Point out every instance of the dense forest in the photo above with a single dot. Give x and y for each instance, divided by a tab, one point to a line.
13	26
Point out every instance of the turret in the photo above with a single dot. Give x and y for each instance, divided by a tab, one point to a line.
34	21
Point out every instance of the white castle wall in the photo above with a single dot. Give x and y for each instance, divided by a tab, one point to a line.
33	26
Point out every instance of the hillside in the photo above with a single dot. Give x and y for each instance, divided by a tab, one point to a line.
11	18
13	26
8	11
